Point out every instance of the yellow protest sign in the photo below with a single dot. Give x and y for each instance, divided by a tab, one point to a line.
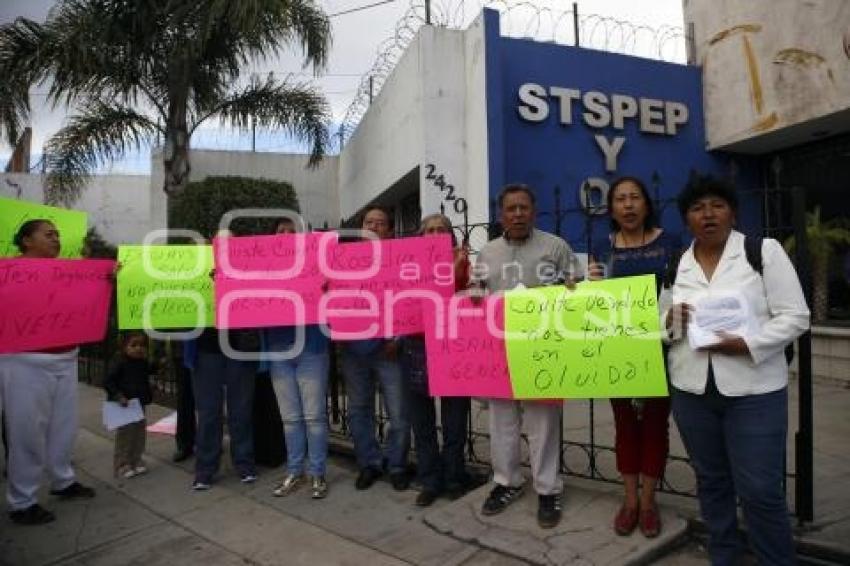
600	340
165	287
72	225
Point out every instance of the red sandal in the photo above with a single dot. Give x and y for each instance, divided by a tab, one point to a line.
650	522
625	521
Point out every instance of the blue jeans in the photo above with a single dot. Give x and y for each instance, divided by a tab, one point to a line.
360	385
301	386
737	448
216	378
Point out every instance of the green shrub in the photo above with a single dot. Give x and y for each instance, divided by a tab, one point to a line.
201	206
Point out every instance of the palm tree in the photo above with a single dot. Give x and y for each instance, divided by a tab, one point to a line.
823	239
138	69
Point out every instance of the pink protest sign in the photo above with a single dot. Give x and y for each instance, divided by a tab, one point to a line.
49	303
270	280
466	349
379	288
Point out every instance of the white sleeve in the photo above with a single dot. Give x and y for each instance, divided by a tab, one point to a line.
665	303
789	314
568	264
479	274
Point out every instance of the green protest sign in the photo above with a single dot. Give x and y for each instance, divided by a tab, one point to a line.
165	287
600	340
72	225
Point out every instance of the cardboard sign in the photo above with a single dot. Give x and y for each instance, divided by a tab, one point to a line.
466	352
165	287
600	340
378	288
275	280
49	303
72	225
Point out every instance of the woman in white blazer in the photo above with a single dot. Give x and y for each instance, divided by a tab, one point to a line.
728	326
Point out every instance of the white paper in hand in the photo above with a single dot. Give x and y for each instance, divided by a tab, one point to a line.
728	313
114	415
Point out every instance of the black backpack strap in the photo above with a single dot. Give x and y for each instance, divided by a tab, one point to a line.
672	268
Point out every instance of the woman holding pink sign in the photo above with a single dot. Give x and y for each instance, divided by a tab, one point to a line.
300	385
39	391
438	471
636	246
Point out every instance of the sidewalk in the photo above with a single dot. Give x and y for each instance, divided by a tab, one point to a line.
157	520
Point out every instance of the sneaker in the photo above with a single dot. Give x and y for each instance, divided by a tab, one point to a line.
318	487
426	497
201	485
549	510
129	473
289	485
248	478
74	491
500	497
367	477
140	469
35	514
400	481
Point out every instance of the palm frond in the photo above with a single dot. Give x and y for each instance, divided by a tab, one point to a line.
261	28
299	109
102	132
22	56
822	236
20	68
14	109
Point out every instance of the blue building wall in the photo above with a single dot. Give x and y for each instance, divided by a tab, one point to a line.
557	159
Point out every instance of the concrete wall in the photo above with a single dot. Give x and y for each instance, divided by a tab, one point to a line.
776	72
316	188
430	111
477	186
119	206
388	142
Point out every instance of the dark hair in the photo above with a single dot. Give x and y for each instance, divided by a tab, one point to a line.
385	210
701	186
285	220
26	230
650	221
125	337
515	188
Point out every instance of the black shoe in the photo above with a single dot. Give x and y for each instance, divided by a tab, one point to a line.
74	491
181	455
456	490
500	497
549	510
426	497
367	477
400	481
35	514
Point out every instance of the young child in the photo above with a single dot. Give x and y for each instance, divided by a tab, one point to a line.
129	379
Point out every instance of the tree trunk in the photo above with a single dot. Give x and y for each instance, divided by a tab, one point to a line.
175	153
820	290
